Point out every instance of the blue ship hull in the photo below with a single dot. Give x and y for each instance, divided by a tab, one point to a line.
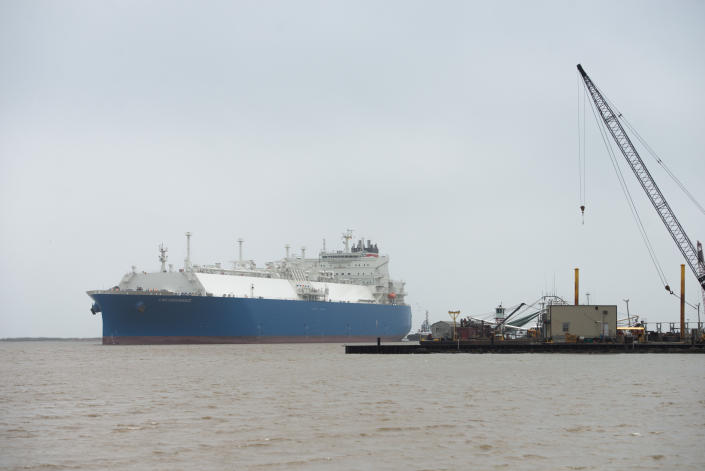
155	319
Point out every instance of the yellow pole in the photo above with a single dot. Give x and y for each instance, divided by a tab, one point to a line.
682	302
577	283
454	315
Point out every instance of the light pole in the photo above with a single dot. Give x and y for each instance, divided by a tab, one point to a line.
588	298
454	315
687	321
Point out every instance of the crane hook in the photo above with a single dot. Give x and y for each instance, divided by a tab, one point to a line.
582	213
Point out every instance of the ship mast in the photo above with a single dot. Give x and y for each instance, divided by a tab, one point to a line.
426	325
239	251
347	235
163	256
187	262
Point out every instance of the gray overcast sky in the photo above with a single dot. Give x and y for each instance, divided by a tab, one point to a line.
444	131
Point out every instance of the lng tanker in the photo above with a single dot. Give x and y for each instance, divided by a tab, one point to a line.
340	296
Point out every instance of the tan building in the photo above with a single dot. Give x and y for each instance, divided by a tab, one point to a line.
442	330
587	321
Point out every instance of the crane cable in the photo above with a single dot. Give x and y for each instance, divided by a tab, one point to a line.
622	182
694	306
660	161
655	156
581	154
490	316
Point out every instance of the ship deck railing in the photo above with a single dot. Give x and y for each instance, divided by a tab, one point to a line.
226	295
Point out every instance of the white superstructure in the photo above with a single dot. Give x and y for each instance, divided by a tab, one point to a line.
357	274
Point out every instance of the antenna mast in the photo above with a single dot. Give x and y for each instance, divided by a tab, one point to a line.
347	235
163	256
187	262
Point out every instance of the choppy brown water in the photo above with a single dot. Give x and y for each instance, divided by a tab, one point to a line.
81	405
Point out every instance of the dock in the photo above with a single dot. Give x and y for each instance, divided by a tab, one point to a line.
509	346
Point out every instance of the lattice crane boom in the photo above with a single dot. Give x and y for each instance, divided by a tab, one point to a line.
645	179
